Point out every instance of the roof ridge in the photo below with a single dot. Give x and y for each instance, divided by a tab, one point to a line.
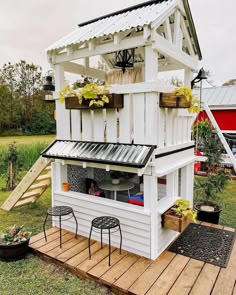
140	5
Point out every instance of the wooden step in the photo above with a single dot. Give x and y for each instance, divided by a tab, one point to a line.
33	193
40	184
25	201
43	177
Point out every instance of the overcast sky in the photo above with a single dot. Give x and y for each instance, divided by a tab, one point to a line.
27	27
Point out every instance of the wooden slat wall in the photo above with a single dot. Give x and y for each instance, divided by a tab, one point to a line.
135	223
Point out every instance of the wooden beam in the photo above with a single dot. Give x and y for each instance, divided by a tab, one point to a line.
173	52
107	61
186	36
177	34
167	30
130	42
83	70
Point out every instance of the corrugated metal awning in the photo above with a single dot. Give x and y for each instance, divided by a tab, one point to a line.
120	22
130	155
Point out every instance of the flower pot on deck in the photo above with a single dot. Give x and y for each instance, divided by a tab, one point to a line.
172	222
14	251
212	216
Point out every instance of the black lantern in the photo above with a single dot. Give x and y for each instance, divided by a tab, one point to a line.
124	59
200	76
49	87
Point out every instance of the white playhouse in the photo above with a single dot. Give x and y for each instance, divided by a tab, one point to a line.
149	145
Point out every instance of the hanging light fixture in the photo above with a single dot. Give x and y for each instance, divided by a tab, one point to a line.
200	76
124	59
48	86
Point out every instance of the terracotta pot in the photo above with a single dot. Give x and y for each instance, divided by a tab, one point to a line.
65	186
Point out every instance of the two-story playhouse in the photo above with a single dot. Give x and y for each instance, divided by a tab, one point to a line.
151	146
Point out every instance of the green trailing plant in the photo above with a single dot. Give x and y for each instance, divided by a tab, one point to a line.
182	209
15	234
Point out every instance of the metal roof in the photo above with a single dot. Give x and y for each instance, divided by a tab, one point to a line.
131	155
119	22
219	96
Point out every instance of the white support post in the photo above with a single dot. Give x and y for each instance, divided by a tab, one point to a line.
170	187
151	64
62	115
150	203
187	178
177	33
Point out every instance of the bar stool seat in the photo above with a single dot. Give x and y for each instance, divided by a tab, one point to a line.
105	224
60	211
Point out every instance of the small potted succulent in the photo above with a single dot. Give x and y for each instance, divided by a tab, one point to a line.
115	177
14	243
179	216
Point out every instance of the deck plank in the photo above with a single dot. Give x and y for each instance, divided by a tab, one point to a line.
119	268
55	236
40	236
169	276
132	274
186	280
56	243
143	283
95	259
69	244
83	255
68	254
227	276
98	270
206	280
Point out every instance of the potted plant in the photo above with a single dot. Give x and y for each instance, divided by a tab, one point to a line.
90	94
182	97
14	243
179	216
115	177
207	189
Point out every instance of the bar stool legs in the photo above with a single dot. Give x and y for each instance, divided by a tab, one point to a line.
45	220
105	223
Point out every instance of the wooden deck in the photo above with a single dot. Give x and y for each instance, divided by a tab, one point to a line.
131	274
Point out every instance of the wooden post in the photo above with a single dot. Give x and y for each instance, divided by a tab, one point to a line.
63	115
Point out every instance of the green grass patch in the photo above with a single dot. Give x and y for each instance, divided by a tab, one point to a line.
5	140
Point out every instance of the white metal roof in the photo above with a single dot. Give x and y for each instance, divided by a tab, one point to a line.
116	23
220	96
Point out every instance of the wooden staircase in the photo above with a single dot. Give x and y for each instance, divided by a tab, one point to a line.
31	187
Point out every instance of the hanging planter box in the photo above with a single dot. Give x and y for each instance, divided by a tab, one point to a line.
171	100
116	101
176	223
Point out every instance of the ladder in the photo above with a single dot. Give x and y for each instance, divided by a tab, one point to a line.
220	134
31	187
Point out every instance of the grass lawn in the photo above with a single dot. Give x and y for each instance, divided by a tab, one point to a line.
32	276
5	140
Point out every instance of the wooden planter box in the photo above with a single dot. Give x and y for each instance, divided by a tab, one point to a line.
171	100
116	101
173	222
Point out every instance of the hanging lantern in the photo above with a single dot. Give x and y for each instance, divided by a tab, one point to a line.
124	59
49	87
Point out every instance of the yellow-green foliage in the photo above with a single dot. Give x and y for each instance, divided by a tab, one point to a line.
88	92
186	92
182	209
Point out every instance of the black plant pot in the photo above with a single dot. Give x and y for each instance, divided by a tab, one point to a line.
211	217
13	252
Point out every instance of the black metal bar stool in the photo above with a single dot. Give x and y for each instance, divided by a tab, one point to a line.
60	211
105	223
